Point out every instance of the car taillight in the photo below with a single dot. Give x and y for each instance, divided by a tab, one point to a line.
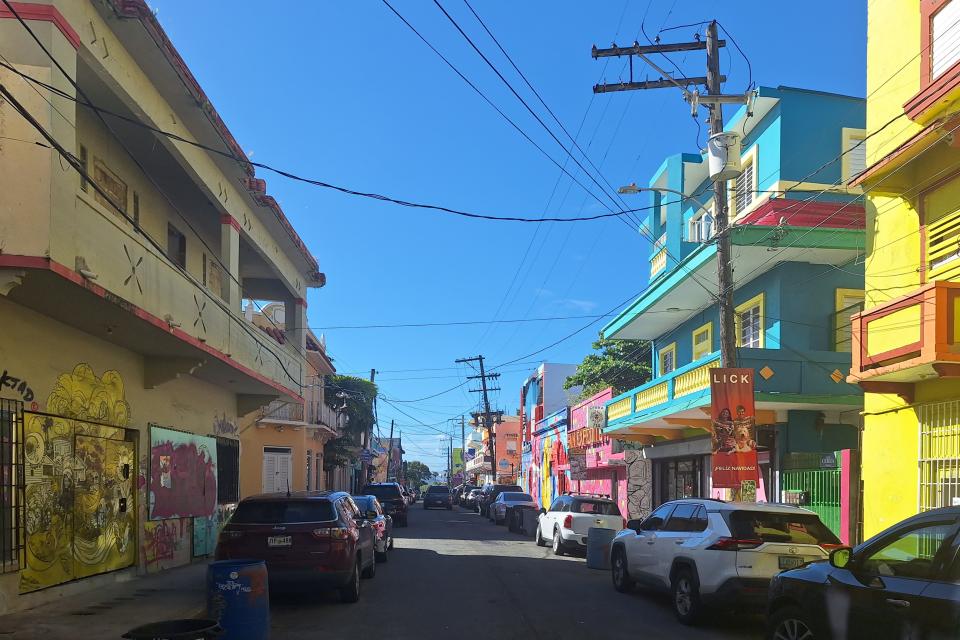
337	533
568	522
735	544
230	535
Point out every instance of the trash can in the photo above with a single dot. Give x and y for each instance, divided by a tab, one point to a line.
190	629
528	522
238	598
513	519
598	547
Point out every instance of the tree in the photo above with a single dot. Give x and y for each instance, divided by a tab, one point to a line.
353	398
417	474
621	364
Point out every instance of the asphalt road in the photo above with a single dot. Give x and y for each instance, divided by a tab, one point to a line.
454	575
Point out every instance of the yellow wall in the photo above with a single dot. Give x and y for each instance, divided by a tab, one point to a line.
252	441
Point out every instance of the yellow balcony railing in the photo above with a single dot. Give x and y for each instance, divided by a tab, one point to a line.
659	262
693	380
618	409
651	397
943	248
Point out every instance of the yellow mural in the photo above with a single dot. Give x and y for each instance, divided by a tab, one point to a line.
80	477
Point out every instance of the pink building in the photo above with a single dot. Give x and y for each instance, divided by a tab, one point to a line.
604	470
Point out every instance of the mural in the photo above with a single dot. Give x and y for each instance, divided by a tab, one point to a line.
166	543
206	529
183	474
79	482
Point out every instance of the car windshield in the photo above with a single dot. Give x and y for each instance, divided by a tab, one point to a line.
438	490
597	507
517	497
383	491
795	528
364	503
283	512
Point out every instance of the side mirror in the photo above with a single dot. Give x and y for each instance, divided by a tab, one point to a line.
840	558
372	515
634	524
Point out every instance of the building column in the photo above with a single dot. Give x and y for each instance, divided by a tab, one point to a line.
295	310
230	257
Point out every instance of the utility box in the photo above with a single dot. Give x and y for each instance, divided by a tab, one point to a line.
723	155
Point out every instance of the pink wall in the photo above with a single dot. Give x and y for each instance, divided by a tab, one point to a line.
606	473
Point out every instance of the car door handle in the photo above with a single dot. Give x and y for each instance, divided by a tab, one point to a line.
901	604
678	541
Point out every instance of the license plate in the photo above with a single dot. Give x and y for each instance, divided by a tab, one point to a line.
790	562
280	541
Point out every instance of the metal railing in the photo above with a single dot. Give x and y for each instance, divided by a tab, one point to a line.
12	486
282	410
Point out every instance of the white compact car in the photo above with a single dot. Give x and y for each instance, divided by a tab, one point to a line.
708	552
571	516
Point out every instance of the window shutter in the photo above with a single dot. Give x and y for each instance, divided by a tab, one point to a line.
856	156
269	472
945	45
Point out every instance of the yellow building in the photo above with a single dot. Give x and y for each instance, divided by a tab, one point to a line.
127	368
906	353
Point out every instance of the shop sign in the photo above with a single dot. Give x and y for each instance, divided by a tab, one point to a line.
597	417
828	461
585	437
578	464
734	428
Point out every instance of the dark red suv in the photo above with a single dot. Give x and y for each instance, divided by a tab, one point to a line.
316	537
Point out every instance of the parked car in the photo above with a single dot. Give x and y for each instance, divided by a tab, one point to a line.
490	493
391	498
901	583
438	496
314	537
510	500
464	494
382	524
470	500
568	520
713	553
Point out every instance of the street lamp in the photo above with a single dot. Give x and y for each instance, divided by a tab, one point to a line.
633	189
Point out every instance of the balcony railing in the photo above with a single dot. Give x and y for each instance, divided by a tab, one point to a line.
694	380
282	410
651	396
658	263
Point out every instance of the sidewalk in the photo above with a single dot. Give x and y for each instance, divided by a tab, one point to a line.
107	613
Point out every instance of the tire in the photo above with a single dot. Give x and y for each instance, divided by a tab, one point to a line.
382	556
685	597
350	592
557	543
539	538
622	581
370	572
789	623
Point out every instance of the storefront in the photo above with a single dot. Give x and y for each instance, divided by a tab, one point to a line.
546	475
596	461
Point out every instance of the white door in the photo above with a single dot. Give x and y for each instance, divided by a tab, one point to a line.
276	469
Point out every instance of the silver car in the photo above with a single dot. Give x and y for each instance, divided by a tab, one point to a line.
509	500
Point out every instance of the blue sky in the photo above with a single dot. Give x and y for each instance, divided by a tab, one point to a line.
344	92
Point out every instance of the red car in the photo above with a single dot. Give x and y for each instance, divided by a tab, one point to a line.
316	537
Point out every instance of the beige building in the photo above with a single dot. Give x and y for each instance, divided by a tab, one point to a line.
127	367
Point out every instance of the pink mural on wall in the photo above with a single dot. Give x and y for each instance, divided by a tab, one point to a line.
605	467
183	474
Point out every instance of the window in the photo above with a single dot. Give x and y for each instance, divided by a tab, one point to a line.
112	186
176	246
511	446
283	511
668	358
791	528
744	188
11	484
276	469
945	38
702	341
910	554
228	470
854	147
85	167
700	228
749	323
848	302
656	519
597	507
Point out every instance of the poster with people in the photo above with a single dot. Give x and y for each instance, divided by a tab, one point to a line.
734	428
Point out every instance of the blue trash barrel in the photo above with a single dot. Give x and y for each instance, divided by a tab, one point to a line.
238	598
598	547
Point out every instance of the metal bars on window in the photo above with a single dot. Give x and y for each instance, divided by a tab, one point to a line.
939	454
12	485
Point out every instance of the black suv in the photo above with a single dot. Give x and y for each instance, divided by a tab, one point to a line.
490	493
391	499
901	583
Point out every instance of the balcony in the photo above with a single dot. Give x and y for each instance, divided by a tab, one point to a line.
658	261
281	412
668	406
908	339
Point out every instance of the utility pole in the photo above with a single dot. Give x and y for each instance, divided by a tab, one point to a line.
463	448
488	423
714	101
390	451
450	463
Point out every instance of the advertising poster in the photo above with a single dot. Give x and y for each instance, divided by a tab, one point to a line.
734	428
183	474
578	464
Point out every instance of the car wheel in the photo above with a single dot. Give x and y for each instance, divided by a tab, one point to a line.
685	595
539	538
789	623
350	592
370	571
622	581
557	543
381	556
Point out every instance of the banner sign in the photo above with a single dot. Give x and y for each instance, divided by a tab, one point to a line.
734	428
578	464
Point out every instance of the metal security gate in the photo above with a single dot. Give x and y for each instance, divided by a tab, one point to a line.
821	490
939	454
11	485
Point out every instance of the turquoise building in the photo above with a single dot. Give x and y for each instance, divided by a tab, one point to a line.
797	234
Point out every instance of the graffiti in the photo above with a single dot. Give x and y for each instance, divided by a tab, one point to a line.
166	543
17	385
223	426
82	395
183	474
206	529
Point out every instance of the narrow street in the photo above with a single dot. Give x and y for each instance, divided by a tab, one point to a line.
453	574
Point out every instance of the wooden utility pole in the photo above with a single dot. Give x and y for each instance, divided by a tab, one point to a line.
714	101
488	422
390	451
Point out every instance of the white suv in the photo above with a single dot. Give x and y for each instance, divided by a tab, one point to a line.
708	552
571	516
